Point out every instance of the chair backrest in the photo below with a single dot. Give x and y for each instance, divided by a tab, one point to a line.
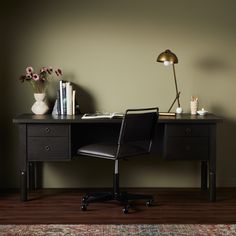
137	131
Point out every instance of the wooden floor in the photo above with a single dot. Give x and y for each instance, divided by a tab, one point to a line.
172	206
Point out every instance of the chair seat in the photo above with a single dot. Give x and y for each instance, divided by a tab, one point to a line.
102	150
109	150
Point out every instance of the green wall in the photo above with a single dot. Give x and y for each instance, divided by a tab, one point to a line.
109	48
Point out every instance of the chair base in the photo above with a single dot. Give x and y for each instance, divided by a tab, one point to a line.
123	198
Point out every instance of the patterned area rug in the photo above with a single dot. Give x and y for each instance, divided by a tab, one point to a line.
115	230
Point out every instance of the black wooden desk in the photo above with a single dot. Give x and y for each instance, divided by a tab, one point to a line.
56	138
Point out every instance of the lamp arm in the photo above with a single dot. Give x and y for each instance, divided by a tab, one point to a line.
176	87
176	98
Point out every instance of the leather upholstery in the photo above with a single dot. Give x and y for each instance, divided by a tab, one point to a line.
102	150
109	150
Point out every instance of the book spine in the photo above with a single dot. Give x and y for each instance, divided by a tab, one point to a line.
68	98
58	102
73	102
64	98
61	97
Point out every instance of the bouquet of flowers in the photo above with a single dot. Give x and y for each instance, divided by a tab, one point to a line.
39	80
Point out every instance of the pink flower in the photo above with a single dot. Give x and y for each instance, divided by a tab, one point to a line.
50	70
29	70
28	76
39	80
44	69
58	72
35	77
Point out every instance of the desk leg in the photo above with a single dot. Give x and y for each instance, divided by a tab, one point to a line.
212	186
212	163
23	185
23	161
204	175
33	175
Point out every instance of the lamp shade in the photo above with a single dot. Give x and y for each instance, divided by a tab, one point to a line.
168	56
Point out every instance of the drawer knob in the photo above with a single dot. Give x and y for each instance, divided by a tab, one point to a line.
47	148
47	130
188	131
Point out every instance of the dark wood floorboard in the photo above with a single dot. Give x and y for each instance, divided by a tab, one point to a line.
172	206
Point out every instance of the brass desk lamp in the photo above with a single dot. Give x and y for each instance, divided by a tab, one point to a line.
169	58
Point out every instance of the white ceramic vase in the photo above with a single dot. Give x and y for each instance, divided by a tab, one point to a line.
40	107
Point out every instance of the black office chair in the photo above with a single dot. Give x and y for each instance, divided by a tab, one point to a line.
136	135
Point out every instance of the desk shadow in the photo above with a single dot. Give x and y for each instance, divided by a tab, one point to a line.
212	64
84	100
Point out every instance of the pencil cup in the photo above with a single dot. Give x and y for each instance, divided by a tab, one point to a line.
193	107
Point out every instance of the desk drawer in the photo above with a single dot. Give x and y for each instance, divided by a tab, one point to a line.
48	148
48	130
186	148
182	130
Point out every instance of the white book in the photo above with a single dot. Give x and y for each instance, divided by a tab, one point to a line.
99	115
68	98
61	97
73	102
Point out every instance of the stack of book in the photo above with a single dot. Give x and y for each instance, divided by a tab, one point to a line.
65	104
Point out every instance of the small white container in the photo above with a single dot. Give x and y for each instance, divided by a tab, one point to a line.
202	112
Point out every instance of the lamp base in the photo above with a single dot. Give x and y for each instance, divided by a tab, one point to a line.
167	114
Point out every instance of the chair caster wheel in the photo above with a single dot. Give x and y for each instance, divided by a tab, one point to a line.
84	207
126	209
149	203
84	199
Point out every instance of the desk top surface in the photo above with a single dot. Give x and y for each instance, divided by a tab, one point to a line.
49	118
